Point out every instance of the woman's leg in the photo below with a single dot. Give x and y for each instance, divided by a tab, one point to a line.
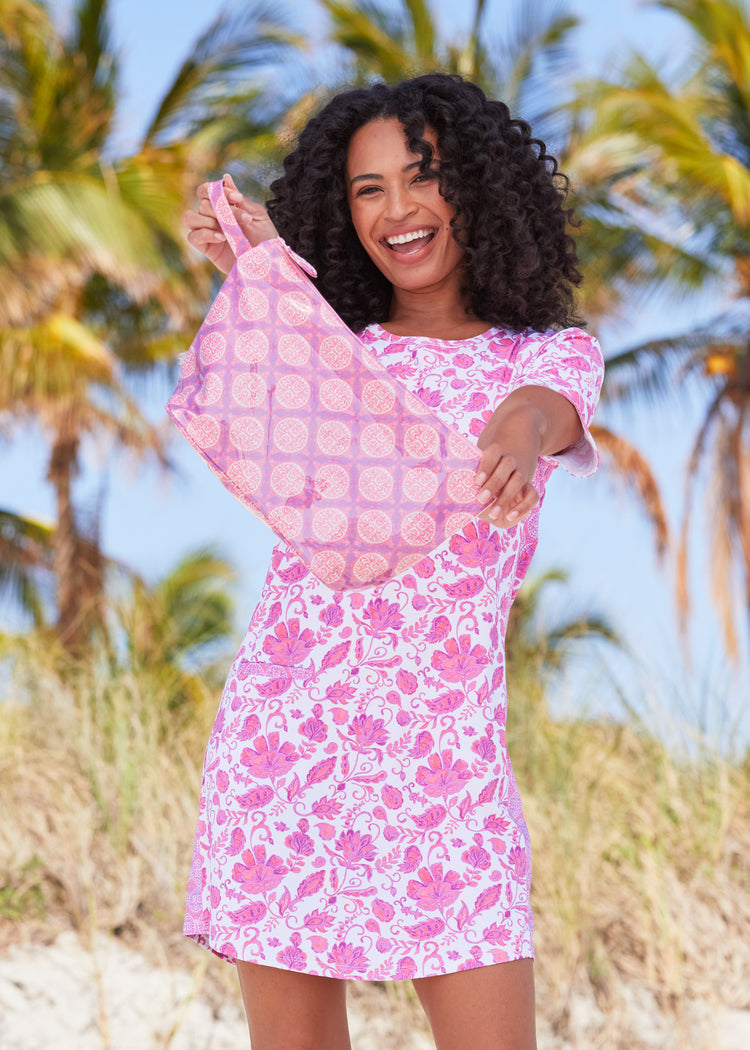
486	1008
287	1010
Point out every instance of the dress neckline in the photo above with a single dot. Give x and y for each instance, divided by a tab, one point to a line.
382	333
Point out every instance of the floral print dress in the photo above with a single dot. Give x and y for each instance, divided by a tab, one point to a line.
359	817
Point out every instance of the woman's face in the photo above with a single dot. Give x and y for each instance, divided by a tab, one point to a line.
400	217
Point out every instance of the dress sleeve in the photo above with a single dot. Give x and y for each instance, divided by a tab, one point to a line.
569	362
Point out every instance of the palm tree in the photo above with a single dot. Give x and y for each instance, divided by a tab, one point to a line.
175	630
537	649
95	278
670	160
393	44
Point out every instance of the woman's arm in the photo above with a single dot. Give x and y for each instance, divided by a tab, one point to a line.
531	422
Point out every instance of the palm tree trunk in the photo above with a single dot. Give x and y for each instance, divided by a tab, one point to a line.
66	539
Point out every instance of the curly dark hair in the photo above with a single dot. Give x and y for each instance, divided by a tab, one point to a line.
511	222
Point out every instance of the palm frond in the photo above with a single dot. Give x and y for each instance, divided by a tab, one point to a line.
92	40
25	549
631	468
377	38
236	46
535	54
657	368
424	34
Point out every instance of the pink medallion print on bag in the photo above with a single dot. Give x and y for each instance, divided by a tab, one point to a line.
303	425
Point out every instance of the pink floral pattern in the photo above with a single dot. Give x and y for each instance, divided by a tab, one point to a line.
359	817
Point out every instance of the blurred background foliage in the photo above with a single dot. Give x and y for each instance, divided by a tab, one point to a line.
112	682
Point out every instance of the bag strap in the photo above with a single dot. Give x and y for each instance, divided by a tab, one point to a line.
231	229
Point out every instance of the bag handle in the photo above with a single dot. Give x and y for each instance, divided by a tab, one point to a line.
231	229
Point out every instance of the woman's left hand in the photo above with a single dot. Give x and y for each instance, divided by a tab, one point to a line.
510	448
532	421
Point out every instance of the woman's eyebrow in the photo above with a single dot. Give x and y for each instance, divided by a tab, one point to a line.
372	175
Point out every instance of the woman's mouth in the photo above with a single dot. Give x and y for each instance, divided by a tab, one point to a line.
409	243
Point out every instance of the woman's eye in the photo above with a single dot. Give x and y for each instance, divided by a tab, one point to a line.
367	191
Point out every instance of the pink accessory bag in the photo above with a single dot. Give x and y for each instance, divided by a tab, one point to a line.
304	426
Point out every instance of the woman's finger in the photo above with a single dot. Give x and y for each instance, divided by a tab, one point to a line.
520	509
507	498
199	222
497	471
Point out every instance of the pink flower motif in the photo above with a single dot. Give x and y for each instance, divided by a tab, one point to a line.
293	958
258	874
477	402
425	568
484	748
422	745
496	934
314	729
477	425
339	692
383	616
392	797
434	890
442	776
250	727
446	702
477	545
367	731
300	843
318	921
406	681
355	847
268	758
406	968
459	661
476	857
519	859
250	913
383	910
331	615
433	398
287	645
347	959
425	931
412	857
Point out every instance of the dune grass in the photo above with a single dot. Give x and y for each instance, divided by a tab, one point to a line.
641	859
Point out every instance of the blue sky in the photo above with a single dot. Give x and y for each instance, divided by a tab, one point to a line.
587	527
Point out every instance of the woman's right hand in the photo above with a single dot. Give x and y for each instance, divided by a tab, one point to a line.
206	235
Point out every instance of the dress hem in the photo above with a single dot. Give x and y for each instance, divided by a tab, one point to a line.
203	939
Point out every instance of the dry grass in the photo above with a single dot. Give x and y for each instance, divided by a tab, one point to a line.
641	861
641	866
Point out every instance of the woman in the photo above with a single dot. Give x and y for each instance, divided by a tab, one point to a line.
361	819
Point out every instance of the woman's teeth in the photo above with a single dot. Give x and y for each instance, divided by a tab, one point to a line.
415	240
404	238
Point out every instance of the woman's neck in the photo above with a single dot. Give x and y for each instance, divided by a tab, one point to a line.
439	316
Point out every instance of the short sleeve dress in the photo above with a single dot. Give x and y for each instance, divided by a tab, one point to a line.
359	817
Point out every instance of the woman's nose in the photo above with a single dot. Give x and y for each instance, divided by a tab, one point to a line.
399	204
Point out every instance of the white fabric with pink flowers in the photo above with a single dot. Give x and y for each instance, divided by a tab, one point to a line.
359	816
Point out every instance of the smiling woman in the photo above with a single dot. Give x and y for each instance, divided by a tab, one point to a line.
403	222
368	825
